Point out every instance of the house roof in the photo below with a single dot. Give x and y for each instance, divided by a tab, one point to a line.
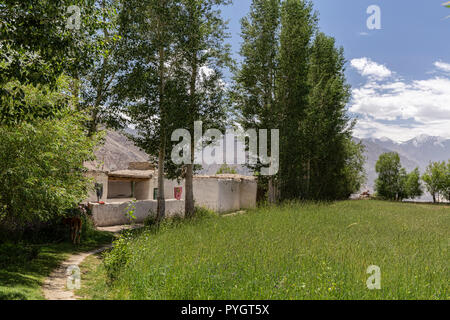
132	174
150	174
236	177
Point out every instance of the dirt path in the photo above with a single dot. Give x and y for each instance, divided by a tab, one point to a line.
55	286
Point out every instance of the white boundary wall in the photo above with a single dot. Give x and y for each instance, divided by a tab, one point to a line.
112	214
225	193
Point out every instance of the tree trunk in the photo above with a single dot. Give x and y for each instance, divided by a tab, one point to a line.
161	198
272	190
189	205
308	177
189	179
434	197
189	185
162	144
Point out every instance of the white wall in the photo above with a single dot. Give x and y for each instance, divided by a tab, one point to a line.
112	214
206	193
248	190
169	186
223	194
229	195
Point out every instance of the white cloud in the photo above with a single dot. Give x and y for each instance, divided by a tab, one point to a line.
369	128
442	66
371	69
401	109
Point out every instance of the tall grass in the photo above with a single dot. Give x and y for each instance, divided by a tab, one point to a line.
296	251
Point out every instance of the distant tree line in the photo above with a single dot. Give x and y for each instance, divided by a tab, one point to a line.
394	183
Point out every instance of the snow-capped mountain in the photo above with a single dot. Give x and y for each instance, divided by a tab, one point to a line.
417	152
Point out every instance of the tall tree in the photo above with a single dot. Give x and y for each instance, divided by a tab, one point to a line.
292	78
200	41
255	91
389	170
298	24
147	88
435	178
413	185
447	182
333	160
96	86
37	45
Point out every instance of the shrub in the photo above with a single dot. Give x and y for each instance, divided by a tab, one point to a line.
116	259
41	169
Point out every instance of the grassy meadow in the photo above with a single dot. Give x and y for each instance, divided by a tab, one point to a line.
296	251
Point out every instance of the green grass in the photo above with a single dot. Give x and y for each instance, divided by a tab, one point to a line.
22	278
297	251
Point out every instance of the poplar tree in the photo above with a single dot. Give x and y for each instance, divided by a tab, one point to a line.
201	34
292	79
435	179
255	89
298	25
147	90
97	85
334	161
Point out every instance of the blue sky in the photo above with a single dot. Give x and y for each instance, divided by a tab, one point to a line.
400	74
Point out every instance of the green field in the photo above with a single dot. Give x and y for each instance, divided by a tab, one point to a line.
297	251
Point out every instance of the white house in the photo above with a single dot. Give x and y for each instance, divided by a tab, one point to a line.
136	188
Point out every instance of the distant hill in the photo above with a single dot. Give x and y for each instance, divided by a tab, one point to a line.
116	153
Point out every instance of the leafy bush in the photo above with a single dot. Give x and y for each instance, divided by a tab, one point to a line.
41	169
225	169
204	213
116	259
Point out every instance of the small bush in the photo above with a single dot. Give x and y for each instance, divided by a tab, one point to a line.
116	259
204	213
